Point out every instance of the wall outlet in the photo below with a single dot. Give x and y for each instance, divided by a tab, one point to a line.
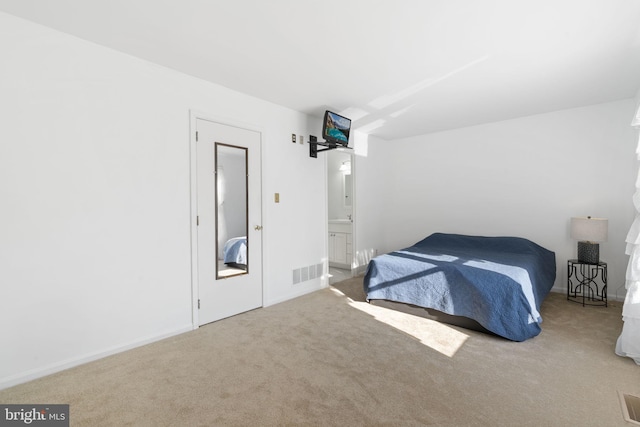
293	138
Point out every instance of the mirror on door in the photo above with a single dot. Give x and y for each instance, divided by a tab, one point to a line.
231	211
347	190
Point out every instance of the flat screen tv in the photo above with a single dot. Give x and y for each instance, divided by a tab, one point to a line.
335	128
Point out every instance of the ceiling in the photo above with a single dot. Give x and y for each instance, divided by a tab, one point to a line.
397	68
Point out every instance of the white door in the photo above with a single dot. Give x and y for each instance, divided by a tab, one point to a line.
229	237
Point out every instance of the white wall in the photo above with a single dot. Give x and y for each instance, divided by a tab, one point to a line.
525	177
95	184
371	196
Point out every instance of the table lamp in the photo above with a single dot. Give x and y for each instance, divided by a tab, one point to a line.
589	232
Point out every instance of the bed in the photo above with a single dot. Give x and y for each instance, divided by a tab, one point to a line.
497	283
235	252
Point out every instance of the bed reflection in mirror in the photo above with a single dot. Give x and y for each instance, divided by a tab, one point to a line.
231	211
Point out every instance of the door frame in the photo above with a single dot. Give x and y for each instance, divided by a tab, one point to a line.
194	116
354	255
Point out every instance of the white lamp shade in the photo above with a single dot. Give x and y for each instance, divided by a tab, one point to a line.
589	229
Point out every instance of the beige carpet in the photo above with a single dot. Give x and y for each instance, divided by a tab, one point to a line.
328	358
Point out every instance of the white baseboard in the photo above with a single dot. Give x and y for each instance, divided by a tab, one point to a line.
559	290
33	374
302	289
610	296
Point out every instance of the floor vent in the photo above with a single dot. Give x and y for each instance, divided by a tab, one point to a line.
307	273
630	408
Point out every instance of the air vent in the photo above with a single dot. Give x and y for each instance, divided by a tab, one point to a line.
630	408
310	272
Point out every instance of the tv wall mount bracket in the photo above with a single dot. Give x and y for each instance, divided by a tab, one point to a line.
313	146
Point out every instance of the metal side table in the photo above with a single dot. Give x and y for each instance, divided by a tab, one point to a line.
587	283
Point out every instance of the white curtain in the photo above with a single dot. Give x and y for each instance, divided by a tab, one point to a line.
628	344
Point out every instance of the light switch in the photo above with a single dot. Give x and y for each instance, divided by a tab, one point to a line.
277	197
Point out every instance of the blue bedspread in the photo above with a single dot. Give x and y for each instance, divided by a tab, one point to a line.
500	282
235	250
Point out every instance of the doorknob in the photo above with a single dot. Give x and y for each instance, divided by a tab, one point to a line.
257	227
